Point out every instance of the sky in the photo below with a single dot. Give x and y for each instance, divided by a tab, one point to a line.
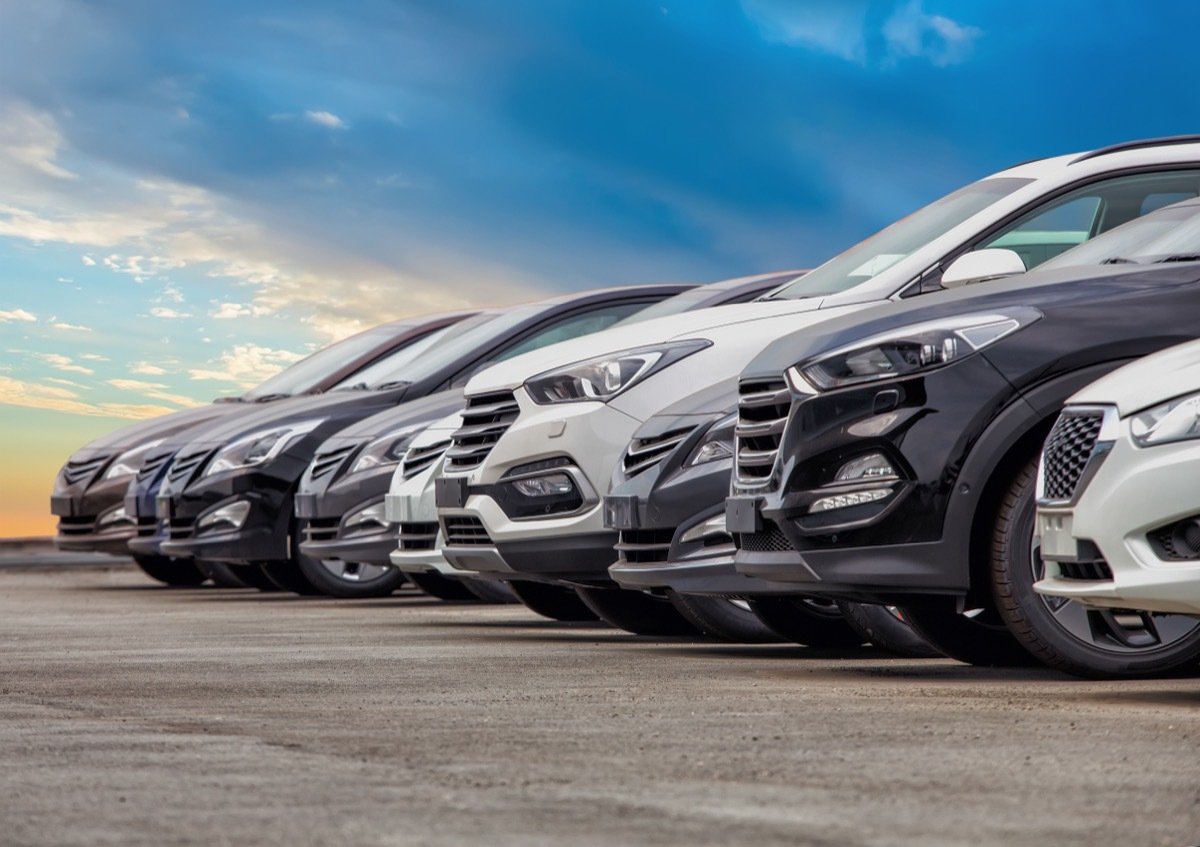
196	194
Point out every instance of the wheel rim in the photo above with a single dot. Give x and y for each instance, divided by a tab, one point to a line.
357	572
1118	631
742	605
821	607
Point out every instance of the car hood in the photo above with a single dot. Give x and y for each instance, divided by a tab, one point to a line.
703	323
1147	382
335	404
425	411
1038	289
163	427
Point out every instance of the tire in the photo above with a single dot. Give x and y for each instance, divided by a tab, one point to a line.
976	637
441	587
552	601
177	573
811	622
252	576
883	627
491	591
636	611
1068	636
221	575
719	617
351	579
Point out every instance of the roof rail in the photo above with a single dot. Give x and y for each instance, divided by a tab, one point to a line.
1137	145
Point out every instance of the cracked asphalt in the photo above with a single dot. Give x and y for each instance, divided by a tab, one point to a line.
134	714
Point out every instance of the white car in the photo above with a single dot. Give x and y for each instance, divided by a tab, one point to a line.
542	433
1118	504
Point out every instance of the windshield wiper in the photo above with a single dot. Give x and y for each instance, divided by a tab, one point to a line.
1180	257
1118	260
358	386
395	383
267	398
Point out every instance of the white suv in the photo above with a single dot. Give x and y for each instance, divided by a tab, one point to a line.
526	474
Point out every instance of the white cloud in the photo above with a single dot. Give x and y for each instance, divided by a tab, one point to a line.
17	392
62	363
225	311
16	315
167	312
89	261
837	28
73	327
72	383
65	279
325	119
246	364
95	357
134	384
910	33
30	139
153	390
146	368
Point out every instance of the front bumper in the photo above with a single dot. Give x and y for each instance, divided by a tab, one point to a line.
1135	495
92	517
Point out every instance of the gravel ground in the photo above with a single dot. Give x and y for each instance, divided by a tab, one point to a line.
133	714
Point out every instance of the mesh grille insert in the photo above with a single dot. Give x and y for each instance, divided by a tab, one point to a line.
1067	451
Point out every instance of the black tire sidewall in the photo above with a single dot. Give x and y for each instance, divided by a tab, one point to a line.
796	621
328	584
718	617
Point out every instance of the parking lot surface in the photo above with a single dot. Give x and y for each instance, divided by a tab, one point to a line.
134	714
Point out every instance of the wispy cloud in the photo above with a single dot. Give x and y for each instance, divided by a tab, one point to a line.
325	119
16	315
246	365
94	357
19	392
62	363
56	324
147	369
167	312
911	33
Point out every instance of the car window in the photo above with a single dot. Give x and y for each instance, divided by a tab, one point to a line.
573	326
1086	212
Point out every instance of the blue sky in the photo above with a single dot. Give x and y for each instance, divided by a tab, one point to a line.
194	194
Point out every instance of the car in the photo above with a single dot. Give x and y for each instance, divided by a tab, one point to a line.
892	458
89	492
228	494
563	417
347	540
1117	506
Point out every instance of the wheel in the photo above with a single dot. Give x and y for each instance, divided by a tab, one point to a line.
636	611
884	627
974	636
252	576
441	587
351	579
286	574
176	573
221	574
719	617
490	590
551	601
1096	643
805	620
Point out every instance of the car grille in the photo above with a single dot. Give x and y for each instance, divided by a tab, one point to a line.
644	453
153	465
147	526
1067	451
770	540
78	525
74	472
184	466
1094	571
180	529
418	536
644	545
321	529
324	464
486	418
763	406
418	459
465	530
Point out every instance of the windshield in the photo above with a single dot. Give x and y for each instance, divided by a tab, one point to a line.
400	365
1170	231
308	373
872	257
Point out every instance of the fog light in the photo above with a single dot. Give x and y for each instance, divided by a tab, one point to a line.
376	513
229	517
710	527
112	516
853	498
870	466
552	485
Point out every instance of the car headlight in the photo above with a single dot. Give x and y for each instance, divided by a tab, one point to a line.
259	447
1175	420
717	443
130	462
604	377
910	349
386	449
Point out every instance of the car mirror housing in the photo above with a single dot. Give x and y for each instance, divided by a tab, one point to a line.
982	265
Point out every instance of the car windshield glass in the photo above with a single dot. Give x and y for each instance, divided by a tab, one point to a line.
1169	231
397	366
474	335
309	372
868	259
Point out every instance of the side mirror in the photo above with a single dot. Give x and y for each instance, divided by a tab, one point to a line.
982	265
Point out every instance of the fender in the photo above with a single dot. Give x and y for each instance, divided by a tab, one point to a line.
1005	441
